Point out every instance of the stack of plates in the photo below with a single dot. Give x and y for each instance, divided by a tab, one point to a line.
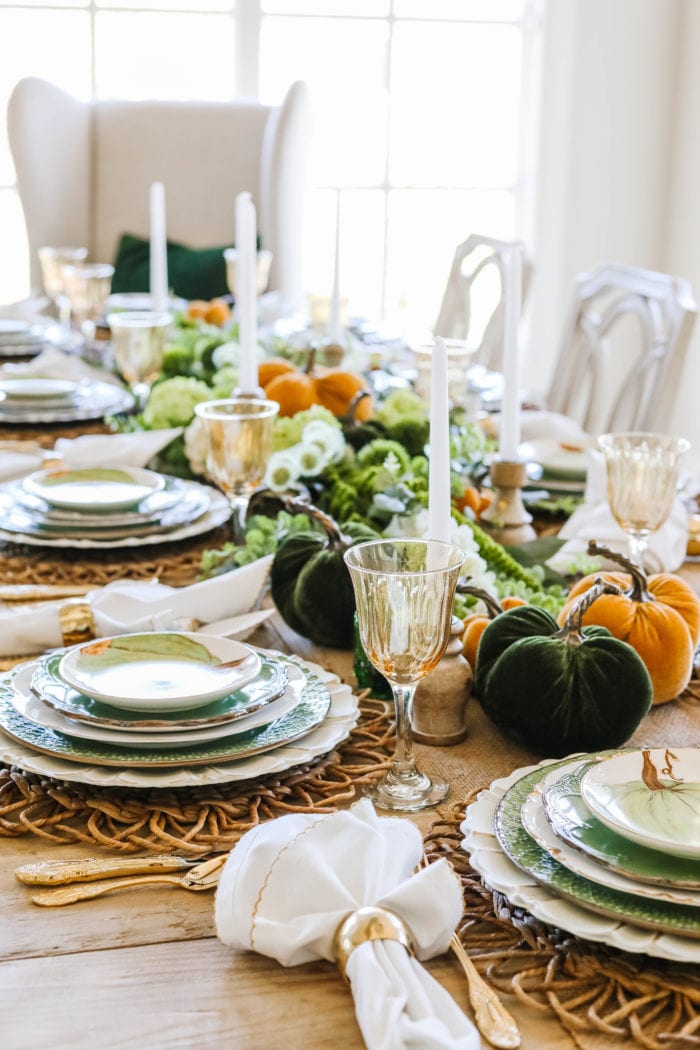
169	709
107	507
606	846
21	338
34	399
555	466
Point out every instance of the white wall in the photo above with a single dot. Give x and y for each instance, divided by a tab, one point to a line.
607	160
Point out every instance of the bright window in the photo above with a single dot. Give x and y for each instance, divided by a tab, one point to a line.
422	116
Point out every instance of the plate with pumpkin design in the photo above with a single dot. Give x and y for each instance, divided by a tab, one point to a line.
650	796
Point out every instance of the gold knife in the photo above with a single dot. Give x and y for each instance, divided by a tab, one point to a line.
60	872
41	592
203	876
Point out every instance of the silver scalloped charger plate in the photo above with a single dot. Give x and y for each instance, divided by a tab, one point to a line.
47	684
91	401
218	512
341	718
543	887
309	713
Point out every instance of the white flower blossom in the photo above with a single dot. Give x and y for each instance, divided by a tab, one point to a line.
408	526
326	437
196	445
391	465
282	470
312	459
226	354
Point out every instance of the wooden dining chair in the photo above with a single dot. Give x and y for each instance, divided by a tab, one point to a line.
622	352
84	171
473	304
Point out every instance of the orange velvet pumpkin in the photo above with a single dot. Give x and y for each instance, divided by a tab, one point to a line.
659	616
293	391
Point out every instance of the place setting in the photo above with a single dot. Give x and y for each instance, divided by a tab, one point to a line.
169	708
21	337
48	399
603	845
103	507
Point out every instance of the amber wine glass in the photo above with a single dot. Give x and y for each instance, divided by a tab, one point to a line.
642	475
138	342
238	446
404	590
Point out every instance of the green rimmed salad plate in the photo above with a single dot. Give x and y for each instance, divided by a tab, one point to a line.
48	685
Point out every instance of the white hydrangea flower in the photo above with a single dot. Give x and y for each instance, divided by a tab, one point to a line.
408	526
282	470
226	354
312	459
196	444
326	437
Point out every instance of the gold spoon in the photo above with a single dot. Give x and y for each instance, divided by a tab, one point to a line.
492	1019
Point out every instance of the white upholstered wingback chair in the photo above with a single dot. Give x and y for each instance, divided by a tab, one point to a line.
475	285
622	352
84	171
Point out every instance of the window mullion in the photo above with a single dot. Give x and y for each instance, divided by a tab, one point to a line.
248	16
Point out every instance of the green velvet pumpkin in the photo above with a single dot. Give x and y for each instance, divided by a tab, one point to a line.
560	690
310	582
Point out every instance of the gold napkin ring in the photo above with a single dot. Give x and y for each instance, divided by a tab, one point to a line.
369	924
76	622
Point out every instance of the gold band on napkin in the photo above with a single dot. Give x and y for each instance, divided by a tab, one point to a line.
75	619
369	924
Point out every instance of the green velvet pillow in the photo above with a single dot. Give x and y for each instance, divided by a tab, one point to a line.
193	273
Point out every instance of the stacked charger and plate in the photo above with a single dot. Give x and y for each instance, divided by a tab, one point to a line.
555	466
27	338
169	709
604	845
39	399
103	507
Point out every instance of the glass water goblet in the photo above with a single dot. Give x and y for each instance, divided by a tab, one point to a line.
642	479
87	286
52	260
262	270
238	447
138	343
404	590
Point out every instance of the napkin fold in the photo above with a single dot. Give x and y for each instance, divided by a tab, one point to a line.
89	450
593	520
128	606
288	885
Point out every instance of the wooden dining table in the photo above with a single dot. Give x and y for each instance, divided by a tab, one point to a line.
143	968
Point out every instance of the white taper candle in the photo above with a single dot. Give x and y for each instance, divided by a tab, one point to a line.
247	304
509	430
335	332
158	253
439	526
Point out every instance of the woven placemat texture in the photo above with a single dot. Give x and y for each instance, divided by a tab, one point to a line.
194	820
591	989
46	434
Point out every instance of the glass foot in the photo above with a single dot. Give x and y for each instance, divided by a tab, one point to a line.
406	797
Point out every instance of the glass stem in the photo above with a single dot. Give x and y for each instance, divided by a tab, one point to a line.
403	763
239	505
638	543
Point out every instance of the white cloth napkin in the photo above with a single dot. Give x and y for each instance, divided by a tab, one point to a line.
540	425
128	606
288	885
593	520
90	450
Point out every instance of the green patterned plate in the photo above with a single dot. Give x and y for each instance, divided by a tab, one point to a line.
531	858
269	684
309	713
574	823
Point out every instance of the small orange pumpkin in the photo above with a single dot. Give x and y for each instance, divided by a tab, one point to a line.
476	624
293	391
273	367
659	616
336	391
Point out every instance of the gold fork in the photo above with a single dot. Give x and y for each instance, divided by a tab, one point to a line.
204	876
492	1019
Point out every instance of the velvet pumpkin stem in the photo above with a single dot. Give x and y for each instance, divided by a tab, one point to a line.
638	592
493	606
571	631
336	540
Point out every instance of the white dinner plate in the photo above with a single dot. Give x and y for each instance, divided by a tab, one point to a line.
36	388
159	670
42	714
650	796
94	488
91	400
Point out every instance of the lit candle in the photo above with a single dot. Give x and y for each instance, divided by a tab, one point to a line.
439	472
335	332
509	432
247	304
158	254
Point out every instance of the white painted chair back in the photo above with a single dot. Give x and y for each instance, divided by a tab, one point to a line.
473	304
622	353
84	170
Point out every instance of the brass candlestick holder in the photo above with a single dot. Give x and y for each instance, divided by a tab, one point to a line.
506	519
